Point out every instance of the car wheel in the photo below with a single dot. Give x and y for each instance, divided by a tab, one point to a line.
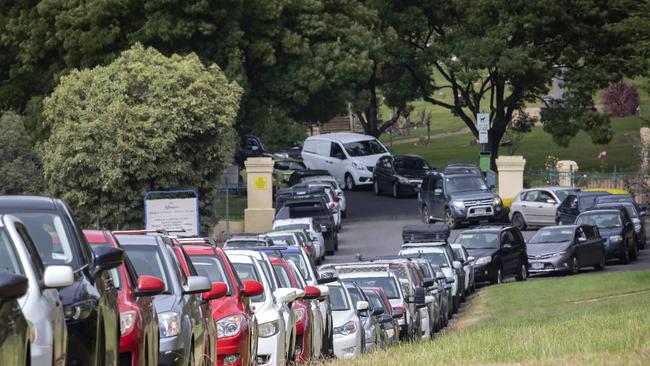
426	215
575	267
518	221
395	190
498	277
376	188
349	182
523	272
625	257
449	219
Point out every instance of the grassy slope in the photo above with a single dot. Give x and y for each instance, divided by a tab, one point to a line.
588	320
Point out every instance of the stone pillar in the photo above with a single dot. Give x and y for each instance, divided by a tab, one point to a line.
258	217
566	170
645	148
511	175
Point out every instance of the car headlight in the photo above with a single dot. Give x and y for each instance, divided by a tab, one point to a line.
78	310
229	326
127	321
269	329
300	314
483	260
458	204
558	254
169	324
616	238
497	201
345	329
403	180
358	166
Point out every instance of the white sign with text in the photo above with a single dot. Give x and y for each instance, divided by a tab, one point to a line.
173	215
483	126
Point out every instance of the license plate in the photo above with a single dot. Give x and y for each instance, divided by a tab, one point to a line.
537	265
479	211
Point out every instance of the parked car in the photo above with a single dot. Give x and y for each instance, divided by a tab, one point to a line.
311	190
317	209
430	313
348	157
500	251
468	266
139	335
303	240
237	326
621	198
247	240
272	309
399	174
284	167
574	204
16	331
369	317
638	219
305	223
387	320
458	198
320	176
181	327
251	147
90	303
348	330
616	227
41	305
537	206
565	249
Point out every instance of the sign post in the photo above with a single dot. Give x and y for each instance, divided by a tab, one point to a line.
173	213
483	126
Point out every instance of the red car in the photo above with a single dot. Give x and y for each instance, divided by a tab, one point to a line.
236	322
305	318
138	318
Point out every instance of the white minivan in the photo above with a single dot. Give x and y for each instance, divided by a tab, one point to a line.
348	157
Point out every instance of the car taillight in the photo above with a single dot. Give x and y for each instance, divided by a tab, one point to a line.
331	206
335	197
308	249
400	308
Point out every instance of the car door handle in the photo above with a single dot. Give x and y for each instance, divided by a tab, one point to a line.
540	206
523	205
328	162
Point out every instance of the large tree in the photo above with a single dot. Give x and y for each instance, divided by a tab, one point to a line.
20	167
144	122
497	56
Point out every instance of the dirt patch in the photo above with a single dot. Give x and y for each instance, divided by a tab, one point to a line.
614	296
472	311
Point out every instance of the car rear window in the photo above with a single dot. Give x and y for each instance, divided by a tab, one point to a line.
387	283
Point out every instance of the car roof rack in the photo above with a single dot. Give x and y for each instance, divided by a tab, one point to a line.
421	233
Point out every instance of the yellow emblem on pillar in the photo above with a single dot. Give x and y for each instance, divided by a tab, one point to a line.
259	183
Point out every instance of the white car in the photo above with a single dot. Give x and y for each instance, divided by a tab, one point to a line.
272	309
468	265
348	157
306	223
340	195
537	206
41	304
348	331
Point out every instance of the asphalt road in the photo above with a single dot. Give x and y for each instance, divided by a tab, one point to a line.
374	227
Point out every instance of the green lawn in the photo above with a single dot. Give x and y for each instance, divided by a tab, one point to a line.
599	319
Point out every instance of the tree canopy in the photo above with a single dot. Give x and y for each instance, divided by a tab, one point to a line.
20	167
143	122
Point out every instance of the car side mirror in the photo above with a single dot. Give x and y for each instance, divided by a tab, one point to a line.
385	318
419	297
471	259
311	293
397	314
506	246
491	186
362	306
58	276
255	148
437	191
323	281
12	286
582	239
218	290
196	285
456	264
285	295
428	282
252	288
377	312
550	201
149	286
107	258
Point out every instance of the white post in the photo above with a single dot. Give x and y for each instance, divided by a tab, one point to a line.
566	170
511	175
258	217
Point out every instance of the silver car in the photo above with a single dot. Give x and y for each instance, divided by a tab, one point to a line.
41	304
537	206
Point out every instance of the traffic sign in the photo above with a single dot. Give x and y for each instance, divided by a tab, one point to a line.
483	126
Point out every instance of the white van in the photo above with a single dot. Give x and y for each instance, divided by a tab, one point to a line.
349	157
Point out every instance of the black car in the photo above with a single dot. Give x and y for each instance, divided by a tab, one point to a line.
565	249
399	174
15	334
622	198
616	227
574	204
251	147
638	218
317	209
90	303
499	251
458	198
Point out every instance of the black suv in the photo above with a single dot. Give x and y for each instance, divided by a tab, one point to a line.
574	204
90	303
458	198
399	174
499	251
314	207
616	227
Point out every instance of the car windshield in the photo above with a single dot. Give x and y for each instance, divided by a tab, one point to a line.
552	235
8	257
338	299
364	148
236	243
437	258
248	272
604	220
211	267
300	263
289	165
49	235
629	207
465	184
409	164
303	209
563	193
478	240
147	261
387	283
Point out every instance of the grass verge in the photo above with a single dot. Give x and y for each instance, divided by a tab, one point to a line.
599	319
